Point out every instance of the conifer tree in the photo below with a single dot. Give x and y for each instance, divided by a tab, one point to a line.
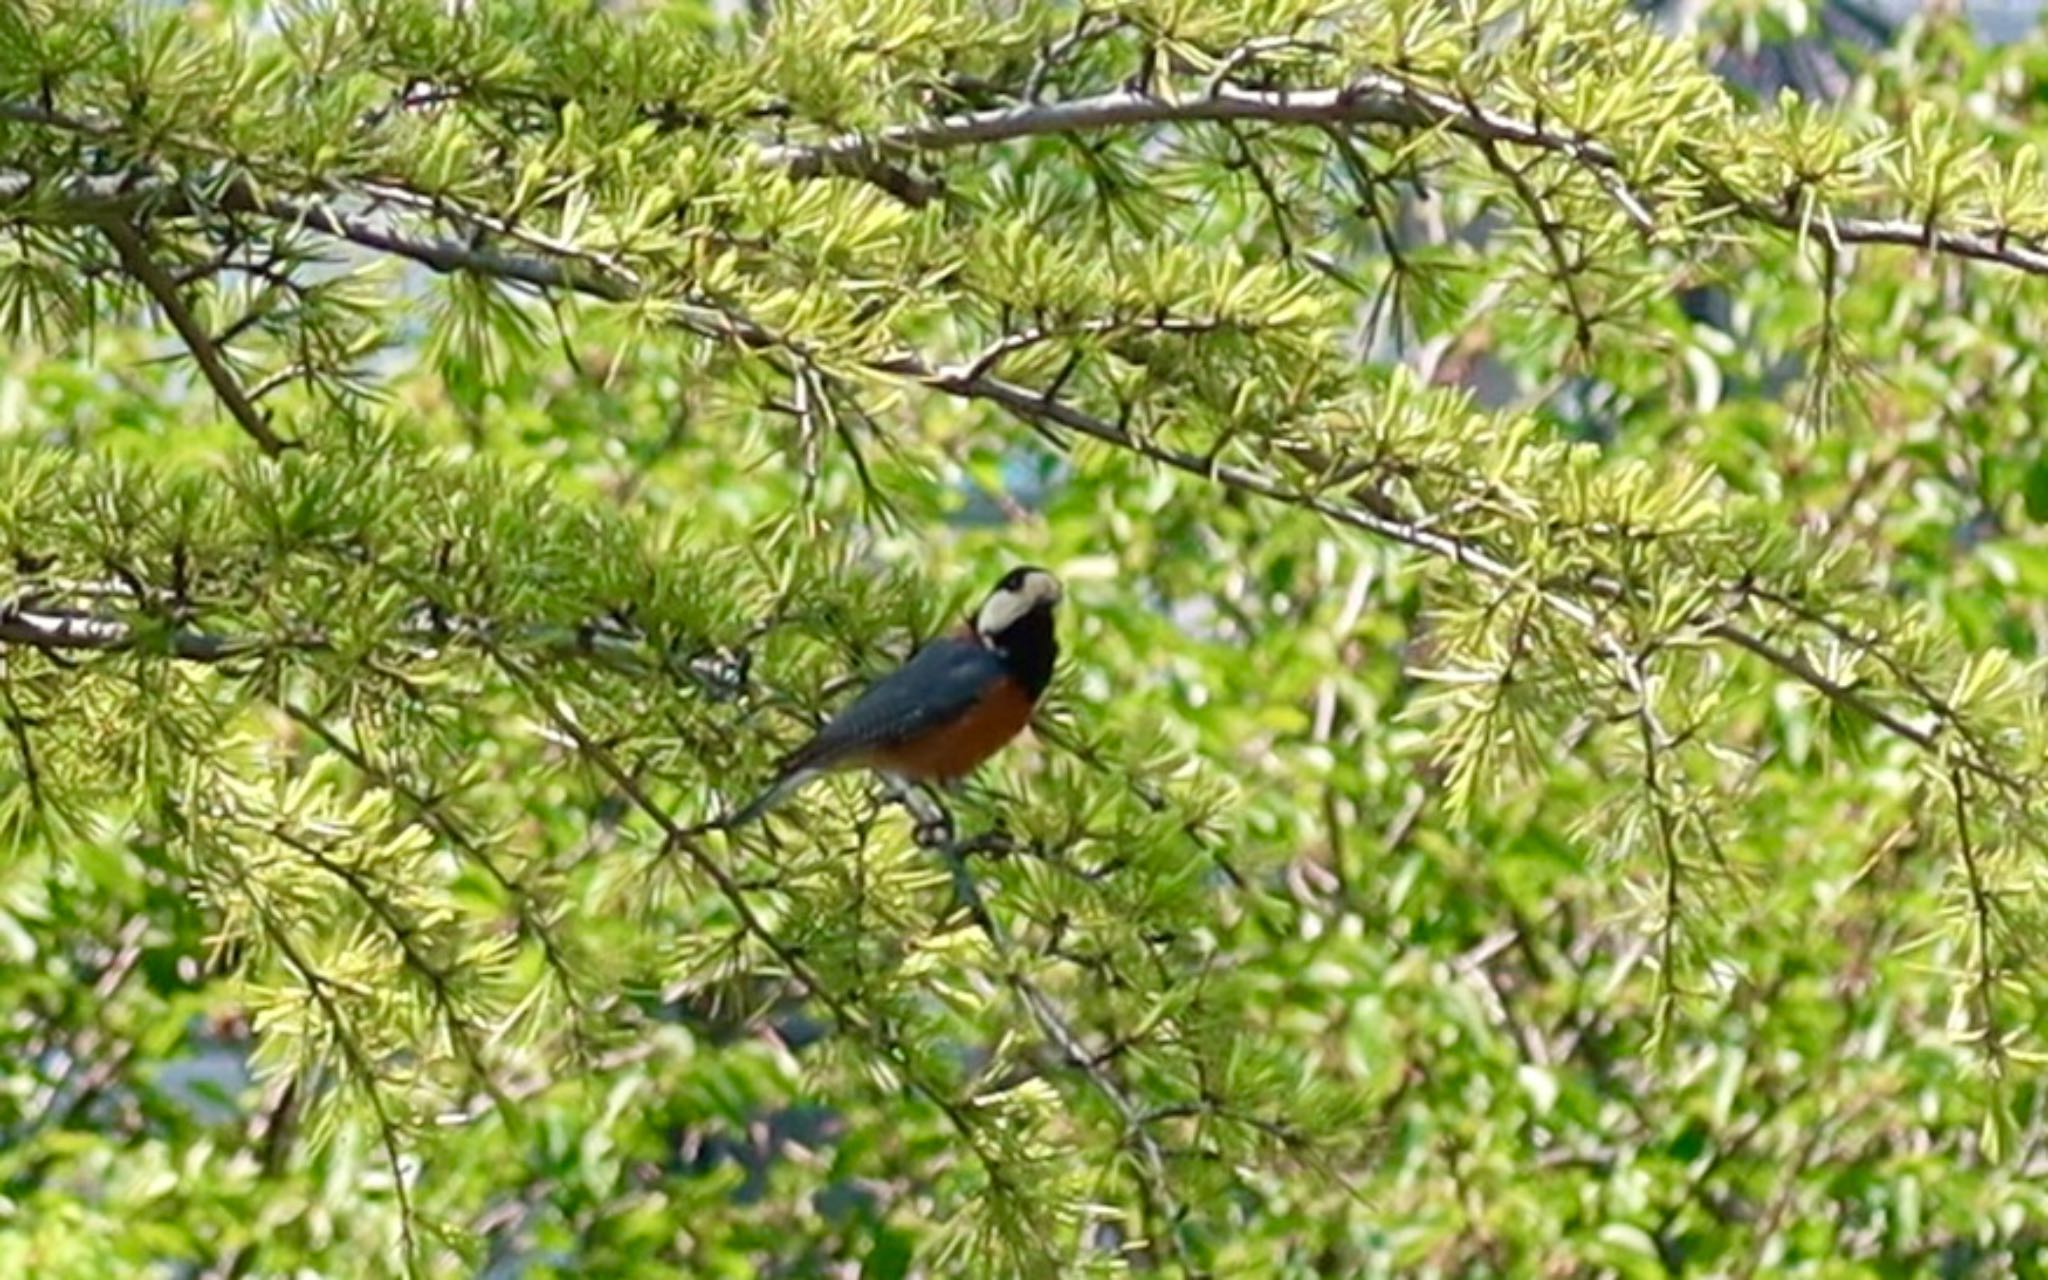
1546	770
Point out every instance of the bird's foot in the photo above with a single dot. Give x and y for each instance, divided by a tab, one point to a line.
931	825
989	844
933	830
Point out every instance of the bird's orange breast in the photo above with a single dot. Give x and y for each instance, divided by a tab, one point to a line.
953	750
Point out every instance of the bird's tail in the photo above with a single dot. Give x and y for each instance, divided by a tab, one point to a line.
785	783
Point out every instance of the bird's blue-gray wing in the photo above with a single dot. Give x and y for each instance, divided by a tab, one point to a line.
937	686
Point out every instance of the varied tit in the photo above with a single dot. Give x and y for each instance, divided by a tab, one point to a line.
955	703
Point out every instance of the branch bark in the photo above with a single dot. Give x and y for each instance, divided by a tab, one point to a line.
1371	99
65	631
60	632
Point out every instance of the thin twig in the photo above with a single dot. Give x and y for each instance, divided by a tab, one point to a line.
462	1030
429	812
1984	983
365	1074
1053	1025
1569	267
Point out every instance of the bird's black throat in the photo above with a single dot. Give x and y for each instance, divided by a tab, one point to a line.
1029	649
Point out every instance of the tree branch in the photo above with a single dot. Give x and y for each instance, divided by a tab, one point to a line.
129	243
363	1073
1059	1033
1376	517
463	1031
1371	99
597	277
59	631
428	812
70	631
1983	912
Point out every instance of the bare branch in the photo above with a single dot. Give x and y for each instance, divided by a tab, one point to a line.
1998	246
63	631
1372	99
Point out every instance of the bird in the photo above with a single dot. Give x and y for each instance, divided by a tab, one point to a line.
954	703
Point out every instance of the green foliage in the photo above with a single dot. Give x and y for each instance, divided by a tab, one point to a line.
1545	774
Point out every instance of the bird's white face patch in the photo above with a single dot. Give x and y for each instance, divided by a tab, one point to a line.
1011	603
